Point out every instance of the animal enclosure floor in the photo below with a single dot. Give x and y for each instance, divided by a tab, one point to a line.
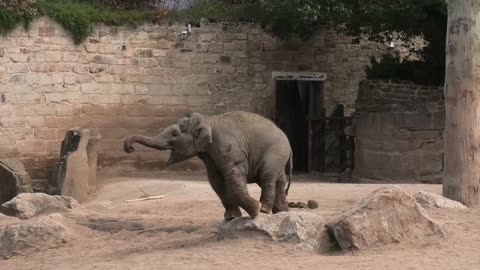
177	232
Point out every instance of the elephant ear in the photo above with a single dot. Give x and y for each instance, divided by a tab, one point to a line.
203	137
202	131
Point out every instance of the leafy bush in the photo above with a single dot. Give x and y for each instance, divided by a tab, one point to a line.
390	67
80	17
14	12
229	10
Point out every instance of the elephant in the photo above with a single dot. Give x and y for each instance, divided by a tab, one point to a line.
237	148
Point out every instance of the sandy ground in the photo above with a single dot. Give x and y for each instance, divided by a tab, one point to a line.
178	232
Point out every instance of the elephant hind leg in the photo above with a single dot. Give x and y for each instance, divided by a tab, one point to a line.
280	204
267	196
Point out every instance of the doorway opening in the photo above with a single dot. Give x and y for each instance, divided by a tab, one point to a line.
299	97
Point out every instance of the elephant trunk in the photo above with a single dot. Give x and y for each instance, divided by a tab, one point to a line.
143	140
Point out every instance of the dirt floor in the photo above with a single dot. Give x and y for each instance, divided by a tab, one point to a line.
178	232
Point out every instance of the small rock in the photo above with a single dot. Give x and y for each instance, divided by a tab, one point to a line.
432	200
27	205
306	230
387	215
312	204
45	232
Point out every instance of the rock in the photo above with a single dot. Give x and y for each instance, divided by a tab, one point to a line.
432	200
312	204
75	173
387	215
28	205
305	230
14	179
45	232
292	204
92	158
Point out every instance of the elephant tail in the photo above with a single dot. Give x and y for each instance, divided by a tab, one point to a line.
290	169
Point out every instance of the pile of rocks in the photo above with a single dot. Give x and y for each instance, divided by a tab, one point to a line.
387	215
42	226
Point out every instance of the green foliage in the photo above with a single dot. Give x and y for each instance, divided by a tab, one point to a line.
80	17
217	10
15	12
378	20
302	17
391	67
9	20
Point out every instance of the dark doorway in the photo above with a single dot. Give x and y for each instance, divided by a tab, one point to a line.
296	100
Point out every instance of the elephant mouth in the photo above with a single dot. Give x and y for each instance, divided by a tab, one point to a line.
176	157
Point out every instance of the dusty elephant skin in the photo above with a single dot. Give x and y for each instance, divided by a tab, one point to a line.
237	148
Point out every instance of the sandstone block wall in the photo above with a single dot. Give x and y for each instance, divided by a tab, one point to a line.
399	132
123	80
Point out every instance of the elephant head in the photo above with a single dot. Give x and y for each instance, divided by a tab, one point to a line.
186	138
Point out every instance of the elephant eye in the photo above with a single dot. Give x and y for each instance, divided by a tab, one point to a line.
175	133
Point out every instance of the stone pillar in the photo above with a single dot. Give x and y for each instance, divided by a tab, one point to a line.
75	173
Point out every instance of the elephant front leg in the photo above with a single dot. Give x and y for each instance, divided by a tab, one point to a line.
236	185
218	184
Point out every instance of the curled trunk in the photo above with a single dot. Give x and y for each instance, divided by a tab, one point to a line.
143	140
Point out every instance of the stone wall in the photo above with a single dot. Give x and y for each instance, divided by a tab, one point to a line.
399	131
123	80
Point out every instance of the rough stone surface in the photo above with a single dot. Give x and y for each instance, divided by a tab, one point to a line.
42	233
13	179
432	200
75	182
127	80
388	215
26	206
305	230
399	131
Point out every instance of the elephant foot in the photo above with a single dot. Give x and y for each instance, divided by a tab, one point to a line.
277	210
266	209
282	207
255	210
231	214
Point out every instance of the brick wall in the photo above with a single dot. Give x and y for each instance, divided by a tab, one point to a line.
123	80
399	132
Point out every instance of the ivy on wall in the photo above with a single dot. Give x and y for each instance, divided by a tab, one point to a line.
80	16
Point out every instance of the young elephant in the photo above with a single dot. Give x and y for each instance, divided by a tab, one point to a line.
237	148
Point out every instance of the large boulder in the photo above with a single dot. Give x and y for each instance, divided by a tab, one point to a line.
432	200
14	179
305	230
388	215
28	205
45	232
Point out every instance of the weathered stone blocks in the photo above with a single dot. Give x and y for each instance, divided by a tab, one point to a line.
395	142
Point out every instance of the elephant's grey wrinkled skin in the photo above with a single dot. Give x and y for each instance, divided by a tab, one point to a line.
237	148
